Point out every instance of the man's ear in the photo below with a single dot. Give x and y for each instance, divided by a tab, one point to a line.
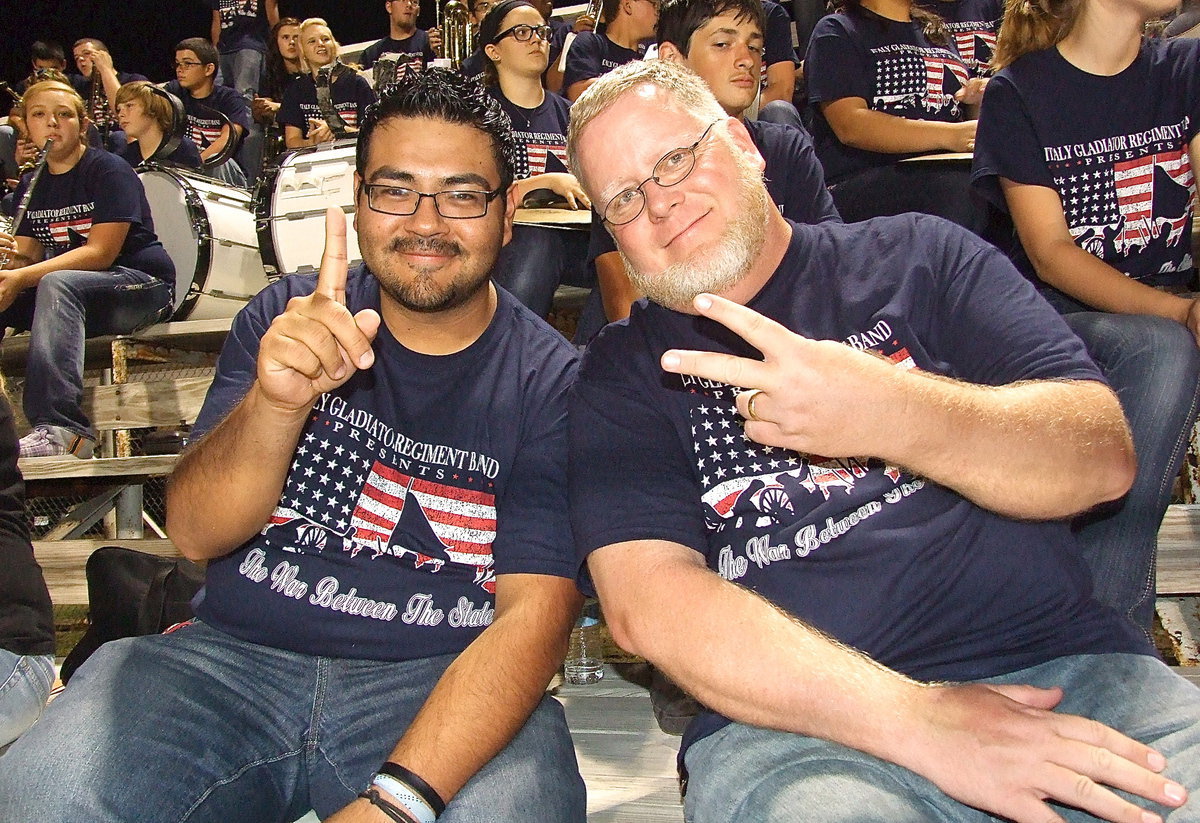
210	69
510	208
670	52
742	140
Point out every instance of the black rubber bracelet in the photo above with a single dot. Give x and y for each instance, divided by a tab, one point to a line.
396	813
418	785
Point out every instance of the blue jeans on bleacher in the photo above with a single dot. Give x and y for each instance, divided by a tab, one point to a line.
25	682
537	259
1153	364
64	309
744	773
197	724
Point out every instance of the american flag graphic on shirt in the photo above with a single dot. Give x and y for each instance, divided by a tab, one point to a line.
975	47
335	498
925	77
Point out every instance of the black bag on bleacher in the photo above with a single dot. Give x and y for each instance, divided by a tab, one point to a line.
133	593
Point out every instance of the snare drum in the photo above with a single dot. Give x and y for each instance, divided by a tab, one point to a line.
207	228
290	207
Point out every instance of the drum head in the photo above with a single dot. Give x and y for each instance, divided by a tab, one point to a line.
175	224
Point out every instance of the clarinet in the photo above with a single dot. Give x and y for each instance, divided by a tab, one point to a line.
23	206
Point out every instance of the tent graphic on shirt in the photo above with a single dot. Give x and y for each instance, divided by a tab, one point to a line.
439	523
975	47
1135	203
538	154
71	232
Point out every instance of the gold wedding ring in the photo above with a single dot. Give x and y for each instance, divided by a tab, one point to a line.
752	396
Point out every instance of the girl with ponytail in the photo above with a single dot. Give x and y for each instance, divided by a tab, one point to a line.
1087	137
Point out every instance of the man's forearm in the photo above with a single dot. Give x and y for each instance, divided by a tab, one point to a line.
227	485
484	697
1037	450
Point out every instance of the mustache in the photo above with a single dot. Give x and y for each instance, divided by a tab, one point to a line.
425	245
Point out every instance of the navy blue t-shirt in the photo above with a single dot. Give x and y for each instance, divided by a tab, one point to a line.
1114	148
350	95
101	188
594	55
204	125
541	133
413	485
186	155
974	25
243	25
777	39
891	65
911	573
412	52
793	175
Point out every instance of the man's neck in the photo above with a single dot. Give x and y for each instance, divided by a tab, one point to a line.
622	32
899	10
203	90
440	333
774	247
403	33
526	92
292	66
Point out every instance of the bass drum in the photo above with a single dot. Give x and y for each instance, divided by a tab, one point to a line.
290	207
207	228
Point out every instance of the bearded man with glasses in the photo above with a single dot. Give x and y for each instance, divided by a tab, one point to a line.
378	486
822	482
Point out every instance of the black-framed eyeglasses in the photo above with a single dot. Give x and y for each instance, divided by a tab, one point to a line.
671	170
187	64
522	32
455	205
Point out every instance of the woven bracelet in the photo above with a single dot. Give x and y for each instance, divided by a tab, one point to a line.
396	813
418	785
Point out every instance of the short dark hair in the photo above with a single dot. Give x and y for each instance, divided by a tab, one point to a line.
442	94
48	50
678	20
205	51
489	28
100	45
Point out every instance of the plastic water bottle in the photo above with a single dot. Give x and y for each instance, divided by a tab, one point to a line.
585	661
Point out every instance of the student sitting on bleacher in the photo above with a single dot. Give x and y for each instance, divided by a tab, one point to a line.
85	261
147	119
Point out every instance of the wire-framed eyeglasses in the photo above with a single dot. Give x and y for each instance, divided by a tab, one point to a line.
523	32
455	205
671	169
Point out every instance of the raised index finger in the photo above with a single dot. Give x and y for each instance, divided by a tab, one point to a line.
331	280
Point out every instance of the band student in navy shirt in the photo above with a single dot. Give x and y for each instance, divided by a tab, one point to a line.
591	54
305	122
378	486
1089	138
148	119
886	83
97	83
406	46
216	114
515	44
973	25
820	480
239	31
85	262
723	42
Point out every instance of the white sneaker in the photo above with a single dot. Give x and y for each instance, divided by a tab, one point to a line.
54	441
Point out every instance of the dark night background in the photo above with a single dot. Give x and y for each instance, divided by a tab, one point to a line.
141	33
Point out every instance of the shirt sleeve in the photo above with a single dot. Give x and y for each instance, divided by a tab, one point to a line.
1006	143
370	55
836	66
583	60
116	190
805	180
778	39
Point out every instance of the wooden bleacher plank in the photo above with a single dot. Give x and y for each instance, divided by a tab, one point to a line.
63	562
1179	551
36	469
141	405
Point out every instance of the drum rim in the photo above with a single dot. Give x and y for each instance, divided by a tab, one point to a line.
191	199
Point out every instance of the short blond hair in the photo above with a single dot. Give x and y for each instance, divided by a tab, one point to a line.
155	105
44	86
690	93
308	24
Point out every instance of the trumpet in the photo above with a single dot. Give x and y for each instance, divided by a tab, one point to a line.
23	206
456	32
594	9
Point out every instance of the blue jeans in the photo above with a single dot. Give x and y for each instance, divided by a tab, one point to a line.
242	70
25	682
65	308
744	773
199	726
536	260
1153	364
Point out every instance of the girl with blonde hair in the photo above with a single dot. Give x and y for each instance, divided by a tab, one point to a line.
1086	138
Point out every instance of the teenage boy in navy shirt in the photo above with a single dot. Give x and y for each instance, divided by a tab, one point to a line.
840	455
216	114
239	31
407	46
379	489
